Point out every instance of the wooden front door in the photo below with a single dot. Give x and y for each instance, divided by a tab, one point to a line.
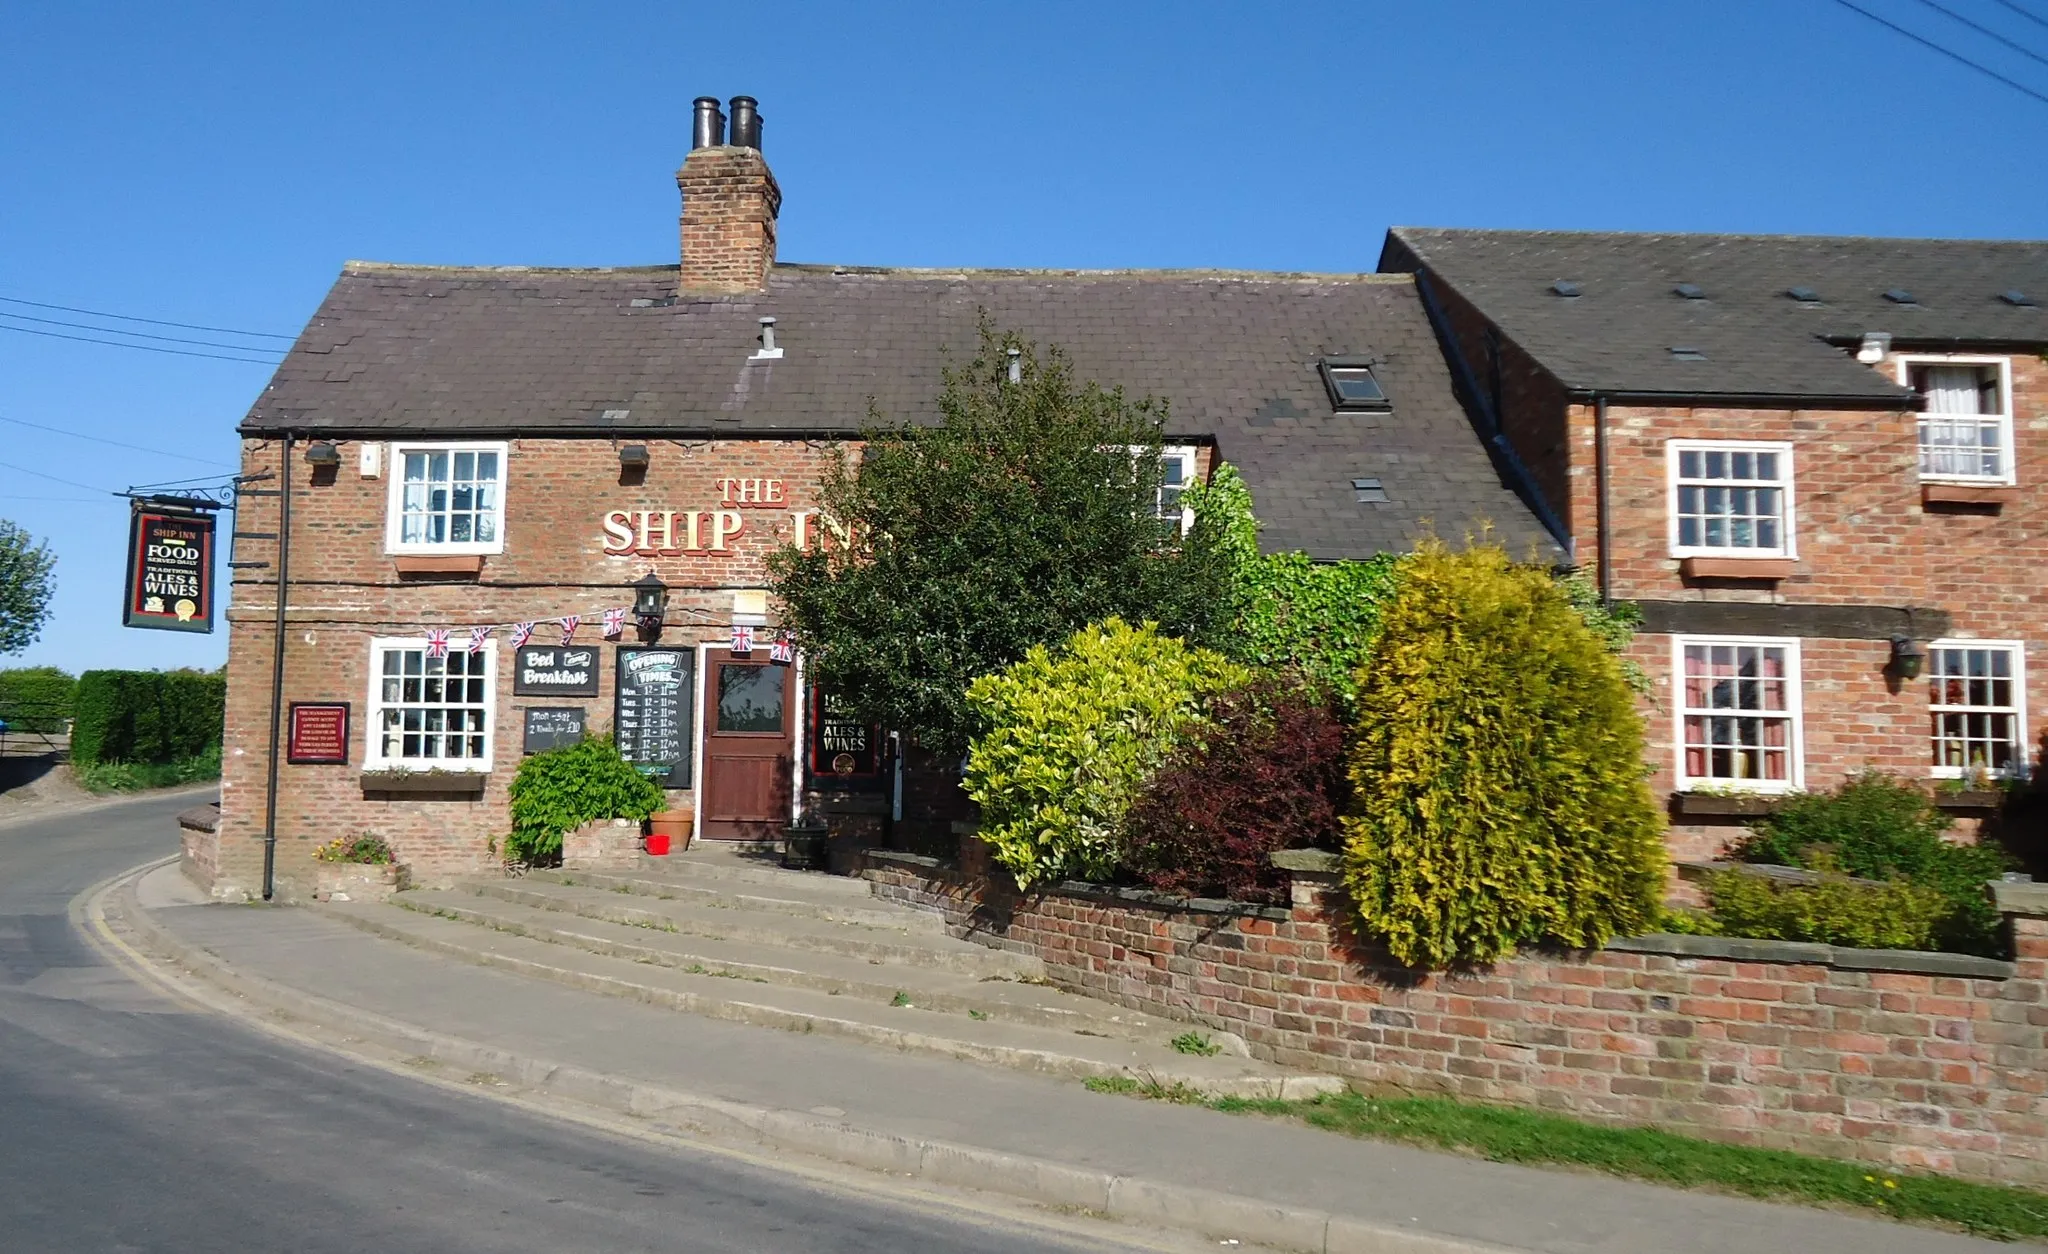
749	748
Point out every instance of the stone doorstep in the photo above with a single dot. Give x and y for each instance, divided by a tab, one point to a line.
1036	1004
723	862
885	946
909	1029
800	900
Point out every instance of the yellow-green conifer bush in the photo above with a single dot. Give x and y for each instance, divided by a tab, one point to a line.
1499	793
1070	736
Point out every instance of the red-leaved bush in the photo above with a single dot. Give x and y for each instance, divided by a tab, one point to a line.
1267	775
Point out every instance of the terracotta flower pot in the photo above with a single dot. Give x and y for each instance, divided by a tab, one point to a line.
670	828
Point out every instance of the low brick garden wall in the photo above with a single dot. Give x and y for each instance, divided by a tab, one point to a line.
1928	1061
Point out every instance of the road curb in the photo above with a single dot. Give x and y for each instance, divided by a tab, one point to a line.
1208	1212
95	802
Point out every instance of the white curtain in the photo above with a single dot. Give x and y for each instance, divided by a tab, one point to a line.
1953	390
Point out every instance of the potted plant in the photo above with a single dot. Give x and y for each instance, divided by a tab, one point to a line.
356	868
580	805
803	843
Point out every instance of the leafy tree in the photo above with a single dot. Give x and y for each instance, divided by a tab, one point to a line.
26	582
1497	771
1025	513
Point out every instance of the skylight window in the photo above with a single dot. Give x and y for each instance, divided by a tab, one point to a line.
2017	298
1900	296
1353	385
1686	352
1804	295
1370	491
1691	291
1565	288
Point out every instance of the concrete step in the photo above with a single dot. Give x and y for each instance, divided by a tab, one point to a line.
800	896
723	861
1009	999
907	1028
888	946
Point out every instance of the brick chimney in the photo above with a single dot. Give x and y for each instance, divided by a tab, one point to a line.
730	200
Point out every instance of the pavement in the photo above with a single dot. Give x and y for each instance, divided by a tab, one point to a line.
133	1117
809	1097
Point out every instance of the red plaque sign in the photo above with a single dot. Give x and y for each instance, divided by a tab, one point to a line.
319	733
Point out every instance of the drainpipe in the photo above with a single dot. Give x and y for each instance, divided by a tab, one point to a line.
284	569
1600	494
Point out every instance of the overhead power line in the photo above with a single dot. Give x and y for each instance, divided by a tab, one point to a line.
69	483
140	335
146	348
155	322
1925	42
100	439
2035	18
1986	31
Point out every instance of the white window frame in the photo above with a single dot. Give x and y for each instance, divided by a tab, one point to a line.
2022	748
2008	454
1190	457
394	499
1794	714
374	758
1788	544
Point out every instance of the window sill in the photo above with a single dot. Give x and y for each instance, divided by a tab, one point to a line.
1983	494
1738	805
1970	801
445	565
1772	568
444	782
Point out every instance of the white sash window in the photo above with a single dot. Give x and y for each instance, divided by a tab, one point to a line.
1965	416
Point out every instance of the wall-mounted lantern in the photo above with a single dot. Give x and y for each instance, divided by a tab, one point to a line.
1907	657
633	457
322	455
650	602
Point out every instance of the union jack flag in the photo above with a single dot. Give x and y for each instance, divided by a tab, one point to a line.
477	636
521	633
614	624
782	651
742	639
437	642
569	625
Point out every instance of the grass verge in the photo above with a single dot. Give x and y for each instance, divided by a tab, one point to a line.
1510	1135
105	777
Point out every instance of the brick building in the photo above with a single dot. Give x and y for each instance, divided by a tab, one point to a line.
1816	463
463	448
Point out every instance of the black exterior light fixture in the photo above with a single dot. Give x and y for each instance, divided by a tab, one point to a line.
633	457
322	455
650	602
1907	657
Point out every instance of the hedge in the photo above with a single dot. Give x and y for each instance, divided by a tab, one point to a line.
35	698
146	716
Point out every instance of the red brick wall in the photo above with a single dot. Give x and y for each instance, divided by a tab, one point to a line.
1910	1070
345	591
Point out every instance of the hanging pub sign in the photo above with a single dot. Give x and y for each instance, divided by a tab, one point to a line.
170	568
554	671
654	700
841	745
319	734
551	727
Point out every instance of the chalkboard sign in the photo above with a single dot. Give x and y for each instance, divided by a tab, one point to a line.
656	699
551	727
841	745
549	670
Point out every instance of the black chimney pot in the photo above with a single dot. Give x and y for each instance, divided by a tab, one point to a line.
709	128
746	122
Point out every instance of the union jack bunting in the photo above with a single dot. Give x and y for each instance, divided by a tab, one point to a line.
569	625
521	633
782	650
437	642
614	624
477	636
742	639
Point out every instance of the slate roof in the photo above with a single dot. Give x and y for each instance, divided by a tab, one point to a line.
439	351
1757	341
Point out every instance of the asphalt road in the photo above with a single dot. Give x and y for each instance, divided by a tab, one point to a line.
128	1122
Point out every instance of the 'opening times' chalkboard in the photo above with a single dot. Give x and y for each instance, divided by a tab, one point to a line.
654	701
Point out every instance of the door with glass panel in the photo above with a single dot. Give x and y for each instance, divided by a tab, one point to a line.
749	748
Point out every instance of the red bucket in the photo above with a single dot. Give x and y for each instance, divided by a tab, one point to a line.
656	843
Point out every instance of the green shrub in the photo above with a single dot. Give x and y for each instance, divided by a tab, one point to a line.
1879	828
146	716
1498	792
1836	911
136	776
1071	736
36	698
562	789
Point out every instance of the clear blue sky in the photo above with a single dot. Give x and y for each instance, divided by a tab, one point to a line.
215	163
